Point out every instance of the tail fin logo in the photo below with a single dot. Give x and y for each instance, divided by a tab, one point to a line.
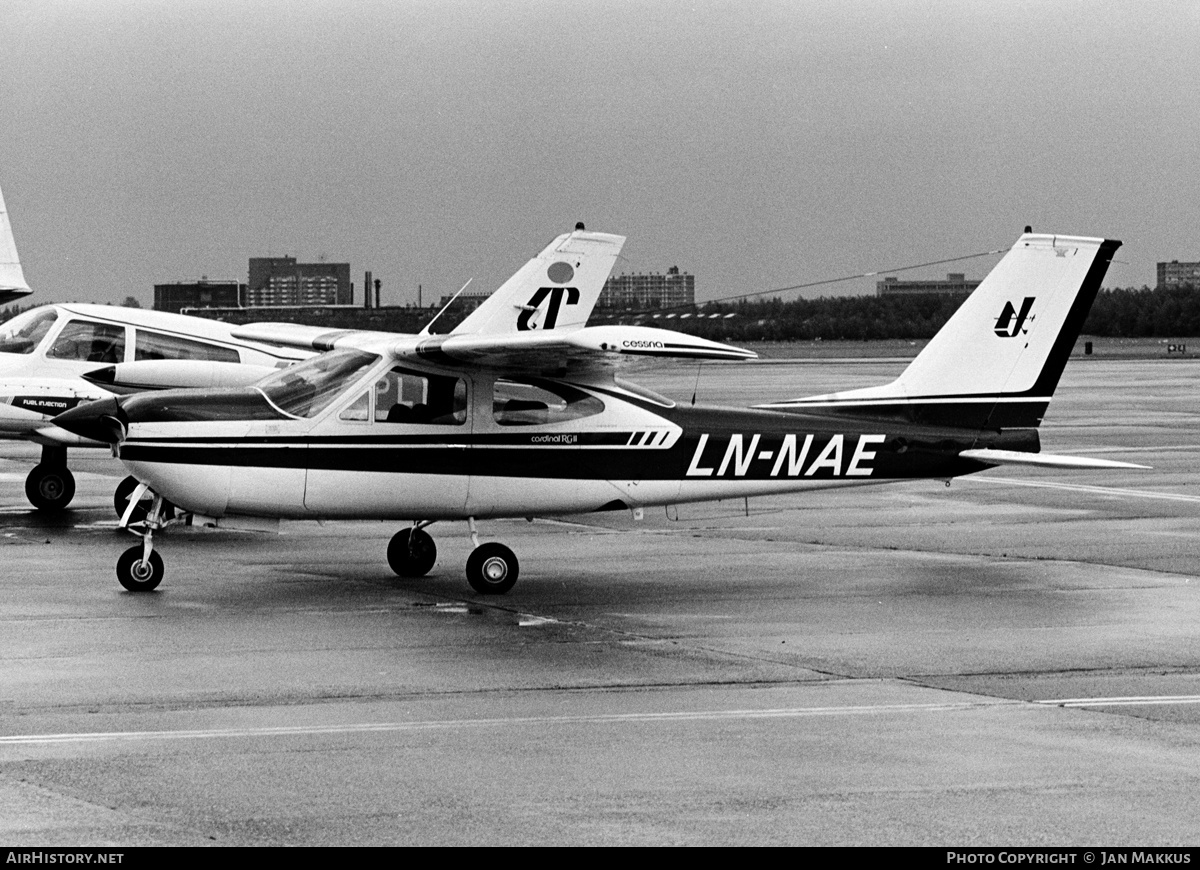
1011	322
526	320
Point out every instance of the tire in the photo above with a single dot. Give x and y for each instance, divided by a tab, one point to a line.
135	574
492	569
50	488
121	501
411	558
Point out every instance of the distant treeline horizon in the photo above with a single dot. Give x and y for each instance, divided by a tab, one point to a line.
1117	313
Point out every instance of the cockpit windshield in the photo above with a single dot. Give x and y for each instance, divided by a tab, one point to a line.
25	332
307	388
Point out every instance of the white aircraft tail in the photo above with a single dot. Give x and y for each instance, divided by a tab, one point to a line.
556	290
996	362
12	279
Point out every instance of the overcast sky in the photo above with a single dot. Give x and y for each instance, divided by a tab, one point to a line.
756	145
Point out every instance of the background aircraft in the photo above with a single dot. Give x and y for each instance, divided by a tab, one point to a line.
12	279
490	422
46	352
54	357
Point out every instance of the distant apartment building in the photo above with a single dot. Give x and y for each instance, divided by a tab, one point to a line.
955	283
640	292
281	281
197	294
1177	274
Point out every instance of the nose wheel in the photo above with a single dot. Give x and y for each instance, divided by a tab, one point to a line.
137	572
140	568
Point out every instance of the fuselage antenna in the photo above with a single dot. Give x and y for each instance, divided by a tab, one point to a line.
425	331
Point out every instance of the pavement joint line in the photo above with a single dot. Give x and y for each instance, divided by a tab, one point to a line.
447	724
599	719
1080	487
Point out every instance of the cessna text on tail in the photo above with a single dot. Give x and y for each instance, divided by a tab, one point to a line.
501	421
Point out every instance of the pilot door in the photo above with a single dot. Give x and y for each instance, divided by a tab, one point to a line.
397	449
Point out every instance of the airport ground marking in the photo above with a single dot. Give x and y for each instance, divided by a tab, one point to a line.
447	724
1080	487
1127	701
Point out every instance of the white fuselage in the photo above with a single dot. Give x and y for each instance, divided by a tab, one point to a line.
45	351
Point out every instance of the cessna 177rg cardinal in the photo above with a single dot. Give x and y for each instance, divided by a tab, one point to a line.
494	422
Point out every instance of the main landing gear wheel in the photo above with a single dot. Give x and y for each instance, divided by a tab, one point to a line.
50	488
411	552
492	569
138	574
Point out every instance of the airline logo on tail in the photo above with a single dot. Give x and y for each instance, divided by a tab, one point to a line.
526	319
1010	323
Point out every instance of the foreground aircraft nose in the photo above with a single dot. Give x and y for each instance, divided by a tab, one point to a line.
103	420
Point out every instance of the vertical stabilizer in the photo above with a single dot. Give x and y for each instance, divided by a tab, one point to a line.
12	279
556	290
997	361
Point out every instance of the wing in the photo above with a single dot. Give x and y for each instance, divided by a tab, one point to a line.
314	338
592	348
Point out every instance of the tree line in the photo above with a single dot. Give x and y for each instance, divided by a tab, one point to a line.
1119	312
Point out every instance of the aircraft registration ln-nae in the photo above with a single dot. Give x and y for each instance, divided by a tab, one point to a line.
520	412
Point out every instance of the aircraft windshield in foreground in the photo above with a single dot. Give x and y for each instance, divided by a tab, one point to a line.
487	423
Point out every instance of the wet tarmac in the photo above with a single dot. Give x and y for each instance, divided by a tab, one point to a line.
1010	660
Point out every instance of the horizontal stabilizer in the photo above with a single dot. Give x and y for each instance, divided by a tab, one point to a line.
1044	460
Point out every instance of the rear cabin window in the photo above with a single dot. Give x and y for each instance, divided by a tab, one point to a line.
540	403
157	345
406	396
25	332
90	341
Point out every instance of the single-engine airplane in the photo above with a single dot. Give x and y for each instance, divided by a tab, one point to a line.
494	422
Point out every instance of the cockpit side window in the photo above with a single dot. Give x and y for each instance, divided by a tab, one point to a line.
540	403
406	396
90	341
358	411
307	388
157	345
25	332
